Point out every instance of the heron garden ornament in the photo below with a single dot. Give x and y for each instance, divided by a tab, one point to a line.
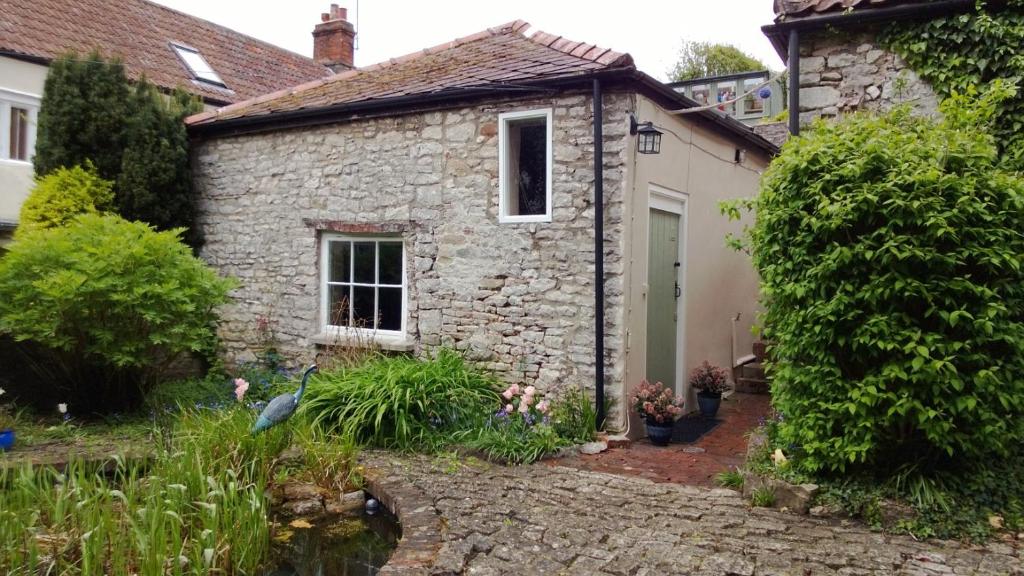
282	407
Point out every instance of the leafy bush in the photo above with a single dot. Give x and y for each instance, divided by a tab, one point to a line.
515	441
61	196
102	306
574	416
401	402
890	254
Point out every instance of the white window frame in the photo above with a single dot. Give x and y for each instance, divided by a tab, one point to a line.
325	255
503	175
30	102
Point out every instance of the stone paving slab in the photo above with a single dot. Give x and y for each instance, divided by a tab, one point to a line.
544	519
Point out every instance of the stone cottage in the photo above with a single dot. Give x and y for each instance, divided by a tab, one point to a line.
451	197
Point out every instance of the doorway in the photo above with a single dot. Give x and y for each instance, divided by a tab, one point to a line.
665	288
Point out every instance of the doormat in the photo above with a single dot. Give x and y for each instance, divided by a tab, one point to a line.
689	430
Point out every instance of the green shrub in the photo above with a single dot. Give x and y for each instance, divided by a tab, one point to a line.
399	401
59	197
104	305
890	254
763	497
730	479
574	416
515	442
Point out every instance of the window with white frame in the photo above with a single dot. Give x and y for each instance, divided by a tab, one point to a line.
197	65
18	114
363	284
524	166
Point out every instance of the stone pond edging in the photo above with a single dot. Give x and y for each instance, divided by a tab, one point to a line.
421	523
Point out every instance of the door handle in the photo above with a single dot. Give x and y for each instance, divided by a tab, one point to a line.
679	291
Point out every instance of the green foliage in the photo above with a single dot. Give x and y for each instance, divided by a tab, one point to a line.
401	402
515	442
131	133
574	416
198	507
155	183
956	52
62	195
82	117
730	479
103	299
763	497
701	59
890	256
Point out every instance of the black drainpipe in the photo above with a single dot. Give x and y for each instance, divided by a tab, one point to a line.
598	253
794	82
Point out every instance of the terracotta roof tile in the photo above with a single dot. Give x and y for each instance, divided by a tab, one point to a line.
788	9
497	56
140	34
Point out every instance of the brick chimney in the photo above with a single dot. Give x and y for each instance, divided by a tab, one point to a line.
334	40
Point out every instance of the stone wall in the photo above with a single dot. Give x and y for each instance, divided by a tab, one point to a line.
842	72
516	297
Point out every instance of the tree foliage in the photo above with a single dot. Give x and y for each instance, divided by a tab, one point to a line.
134	136
701	59
103	304
59	197
890	254
82	117
962	50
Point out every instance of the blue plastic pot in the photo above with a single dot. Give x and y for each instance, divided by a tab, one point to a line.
659	434
708	404
6	439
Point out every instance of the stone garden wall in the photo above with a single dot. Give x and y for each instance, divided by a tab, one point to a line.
516	297
842	72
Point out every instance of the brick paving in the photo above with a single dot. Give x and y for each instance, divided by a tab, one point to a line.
695	464
544	519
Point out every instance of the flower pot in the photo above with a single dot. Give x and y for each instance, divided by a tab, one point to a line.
6	439
659	433
708	404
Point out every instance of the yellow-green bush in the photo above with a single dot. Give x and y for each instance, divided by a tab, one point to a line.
64	194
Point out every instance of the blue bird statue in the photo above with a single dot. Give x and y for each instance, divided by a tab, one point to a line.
282	407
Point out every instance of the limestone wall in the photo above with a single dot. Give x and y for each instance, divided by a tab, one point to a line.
516	297
841	72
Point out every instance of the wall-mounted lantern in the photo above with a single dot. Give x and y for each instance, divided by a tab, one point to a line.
648	139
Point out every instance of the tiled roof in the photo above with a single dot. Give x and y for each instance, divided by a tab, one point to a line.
140	34
777	132
497	57
803	8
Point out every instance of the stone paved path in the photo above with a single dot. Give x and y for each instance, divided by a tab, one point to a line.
557	520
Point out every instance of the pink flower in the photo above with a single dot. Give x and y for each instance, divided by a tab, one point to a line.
530	391
507	394
514	389
240	387
524	407
509	408
542	406
528	400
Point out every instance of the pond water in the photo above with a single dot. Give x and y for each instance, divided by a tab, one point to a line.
347	545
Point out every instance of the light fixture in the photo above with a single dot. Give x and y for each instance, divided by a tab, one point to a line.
741	156
648	137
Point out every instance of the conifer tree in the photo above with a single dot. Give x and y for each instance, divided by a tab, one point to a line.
82	116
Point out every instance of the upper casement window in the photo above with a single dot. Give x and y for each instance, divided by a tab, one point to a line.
18	113
198	65
524	166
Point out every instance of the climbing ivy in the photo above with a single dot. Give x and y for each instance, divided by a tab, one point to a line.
959	51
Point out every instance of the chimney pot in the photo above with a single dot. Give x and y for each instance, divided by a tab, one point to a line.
334	40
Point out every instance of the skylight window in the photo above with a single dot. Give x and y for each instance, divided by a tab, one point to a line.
197	65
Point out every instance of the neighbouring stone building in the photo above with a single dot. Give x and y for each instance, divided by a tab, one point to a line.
843	67
447	198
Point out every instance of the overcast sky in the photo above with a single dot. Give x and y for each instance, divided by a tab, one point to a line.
650	30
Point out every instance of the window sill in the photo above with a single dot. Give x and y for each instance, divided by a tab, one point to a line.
539	219
12	162
390	343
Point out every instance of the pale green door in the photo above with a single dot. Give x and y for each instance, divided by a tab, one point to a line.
662	291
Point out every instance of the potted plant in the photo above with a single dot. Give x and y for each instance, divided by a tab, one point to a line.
657	405
710	382
6	426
